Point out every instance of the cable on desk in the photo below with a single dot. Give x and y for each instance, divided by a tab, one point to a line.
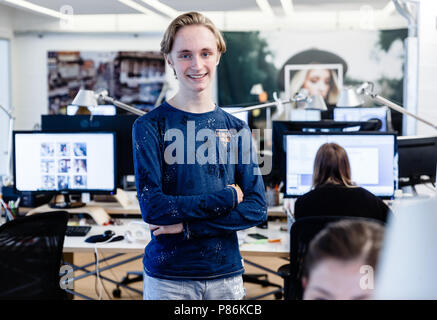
98	280
116	278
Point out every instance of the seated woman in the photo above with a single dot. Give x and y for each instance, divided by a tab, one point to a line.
334	194
341	259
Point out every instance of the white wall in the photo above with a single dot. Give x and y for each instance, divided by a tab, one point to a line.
6	36
6	15
427	84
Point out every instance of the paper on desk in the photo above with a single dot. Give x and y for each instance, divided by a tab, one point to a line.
123	198
99	215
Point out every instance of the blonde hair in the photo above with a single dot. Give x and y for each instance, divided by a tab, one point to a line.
188	19
298	80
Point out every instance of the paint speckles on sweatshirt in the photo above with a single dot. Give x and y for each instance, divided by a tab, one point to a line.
184	164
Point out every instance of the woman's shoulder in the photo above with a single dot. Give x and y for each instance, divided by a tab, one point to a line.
363	191
310	195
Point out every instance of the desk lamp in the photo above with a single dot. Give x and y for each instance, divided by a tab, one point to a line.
91	99
349	98
7	180
367	88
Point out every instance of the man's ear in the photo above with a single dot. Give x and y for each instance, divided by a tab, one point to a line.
218	58
168	59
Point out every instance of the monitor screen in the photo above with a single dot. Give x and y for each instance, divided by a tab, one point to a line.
70	162
362	114
120	124
281	127
244	115
372	157
417	159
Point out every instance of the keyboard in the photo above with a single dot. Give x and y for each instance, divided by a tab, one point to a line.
77	231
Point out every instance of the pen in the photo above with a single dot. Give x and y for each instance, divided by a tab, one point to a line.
274	240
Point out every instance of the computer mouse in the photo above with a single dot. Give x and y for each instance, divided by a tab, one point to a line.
117	238
108	233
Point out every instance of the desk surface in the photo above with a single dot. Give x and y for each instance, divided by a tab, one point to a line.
248	247
78	244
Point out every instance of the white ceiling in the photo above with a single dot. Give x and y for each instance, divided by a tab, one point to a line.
115	7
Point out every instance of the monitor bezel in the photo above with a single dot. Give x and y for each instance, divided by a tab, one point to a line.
66	191
364	108
120	123
358	133
413	142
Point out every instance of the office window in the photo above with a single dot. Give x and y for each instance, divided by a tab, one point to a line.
4	102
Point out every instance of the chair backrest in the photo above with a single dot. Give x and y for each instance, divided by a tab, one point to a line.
30	256
301	233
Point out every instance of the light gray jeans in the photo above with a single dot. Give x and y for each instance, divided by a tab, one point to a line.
218	289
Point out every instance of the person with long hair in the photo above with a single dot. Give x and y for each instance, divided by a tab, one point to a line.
334	193
312	77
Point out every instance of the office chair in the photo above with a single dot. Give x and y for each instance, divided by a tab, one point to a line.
259	278
30	256
262	279
301	233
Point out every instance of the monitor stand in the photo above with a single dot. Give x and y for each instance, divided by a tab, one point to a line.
63	201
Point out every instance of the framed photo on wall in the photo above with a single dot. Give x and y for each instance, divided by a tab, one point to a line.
319	79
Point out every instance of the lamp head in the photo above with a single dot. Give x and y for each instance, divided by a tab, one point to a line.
316	102
366	89
305	101
349	98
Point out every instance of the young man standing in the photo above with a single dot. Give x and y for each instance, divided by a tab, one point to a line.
194	203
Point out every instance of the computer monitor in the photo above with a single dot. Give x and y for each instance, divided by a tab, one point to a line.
362	114
64	162
280	127
417	160
120	124
244	115
372	157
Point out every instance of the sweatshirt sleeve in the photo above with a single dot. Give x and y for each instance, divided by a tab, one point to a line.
251	212
162	209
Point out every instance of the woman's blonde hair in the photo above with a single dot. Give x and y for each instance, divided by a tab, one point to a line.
299	77
331	165
188	19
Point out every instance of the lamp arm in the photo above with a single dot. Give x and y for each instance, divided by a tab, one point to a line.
9	114
121	105
259	106
364	90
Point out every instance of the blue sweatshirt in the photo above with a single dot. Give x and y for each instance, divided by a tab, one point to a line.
184	163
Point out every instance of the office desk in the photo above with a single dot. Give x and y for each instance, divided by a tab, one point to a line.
250	247
247	247
117	249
